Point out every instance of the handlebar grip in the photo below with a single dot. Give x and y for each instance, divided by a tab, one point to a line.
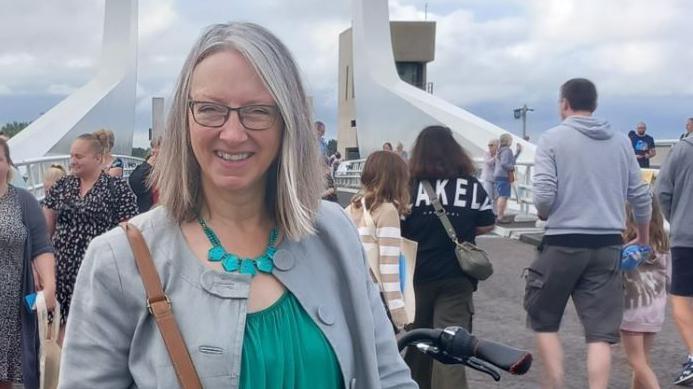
508	358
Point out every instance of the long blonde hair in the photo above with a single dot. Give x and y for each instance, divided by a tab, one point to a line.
659	240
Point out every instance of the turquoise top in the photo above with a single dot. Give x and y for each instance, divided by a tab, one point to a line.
284	348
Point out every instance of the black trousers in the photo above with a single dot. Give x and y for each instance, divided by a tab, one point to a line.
441	304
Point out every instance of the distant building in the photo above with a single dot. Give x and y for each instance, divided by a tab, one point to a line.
413	45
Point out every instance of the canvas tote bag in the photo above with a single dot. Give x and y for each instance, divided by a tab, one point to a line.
49	349
407	264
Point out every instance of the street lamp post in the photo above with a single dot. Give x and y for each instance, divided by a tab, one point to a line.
522	113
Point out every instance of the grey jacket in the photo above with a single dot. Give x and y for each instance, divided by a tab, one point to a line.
584	173
674	189
505	162
112	342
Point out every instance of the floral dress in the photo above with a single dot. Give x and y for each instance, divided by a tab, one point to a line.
12	238
80	219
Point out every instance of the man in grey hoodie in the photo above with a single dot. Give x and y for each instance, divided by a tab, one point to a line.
674	189
584	174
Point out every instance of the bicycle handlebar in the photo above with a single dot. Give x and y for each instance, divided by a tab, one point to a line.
457	343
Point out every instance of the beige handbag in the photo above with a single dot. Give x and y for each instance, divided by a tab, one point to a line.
49	349
408	254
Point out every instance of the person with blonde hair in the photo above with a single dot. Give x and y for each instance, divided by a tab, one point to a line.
645	290
111	165
52	175
267	283
24	244
81	206
376	211
503	175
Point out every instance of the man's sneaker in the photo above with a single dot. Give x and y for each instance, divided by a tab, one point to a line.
686	376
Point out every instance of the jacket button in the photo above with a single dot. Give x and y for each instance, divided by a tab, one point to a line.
283	260
325	315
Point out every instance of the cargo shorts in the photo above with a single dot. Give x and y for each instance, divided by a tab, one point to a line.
591	276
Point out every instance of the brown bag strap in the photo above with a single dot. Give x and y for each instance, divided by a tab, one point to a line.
159	306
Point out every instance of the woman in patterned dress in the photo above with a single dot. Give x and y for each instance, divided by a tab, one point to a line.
81	206
23	240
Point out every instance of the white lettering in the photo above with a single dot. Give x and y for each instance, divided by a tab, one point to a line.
460	190
440	191
421	196
475	203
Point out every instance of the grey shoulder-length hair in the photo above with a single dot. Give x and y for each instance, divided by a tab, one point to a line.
294	180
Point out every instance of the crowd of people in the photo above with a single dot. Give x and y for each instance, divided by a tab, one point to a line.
43	243
587	223
271	287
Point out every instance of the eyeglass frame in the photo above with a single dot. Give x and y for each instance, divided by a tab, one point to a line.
276	114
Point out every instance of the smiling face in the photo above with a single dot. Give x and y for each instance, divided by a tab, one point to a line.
84	160
231	157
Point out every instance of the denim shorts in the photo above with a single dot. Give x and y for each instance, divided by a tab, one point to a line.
502	187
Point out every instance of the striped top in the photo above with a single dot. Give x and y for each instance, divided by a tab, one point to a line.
385	241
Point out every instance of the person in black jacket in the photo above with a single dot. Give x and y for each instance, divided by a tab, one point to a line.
146	196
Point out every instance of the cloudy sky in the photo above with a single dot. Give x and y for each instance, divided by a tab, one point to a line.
491	55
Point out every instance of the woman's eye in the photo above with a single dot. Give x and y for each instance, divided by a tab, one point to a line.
258	111
210	108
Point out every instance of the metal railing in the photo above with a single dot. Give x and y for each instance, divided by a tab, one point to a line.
348	177
32	170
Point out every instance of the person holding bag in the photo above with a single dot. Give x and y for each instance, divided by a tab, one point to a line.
24	244
376	211
443	289
242	277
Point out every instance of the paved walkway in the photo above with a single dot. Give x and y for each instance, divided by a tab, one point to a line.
500	317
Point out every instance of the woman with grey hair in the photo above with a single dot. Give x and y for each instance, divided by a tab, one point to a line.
504	175
268	285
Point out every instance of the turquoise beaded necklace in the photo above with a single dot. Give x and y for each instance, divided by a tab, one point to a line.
231	262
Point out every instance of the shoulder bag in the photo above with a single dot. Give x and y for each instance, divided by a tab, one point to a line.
473	260
159	306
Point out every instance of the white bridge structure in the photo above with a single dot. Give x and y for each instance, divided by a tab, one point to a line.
386	103
107	101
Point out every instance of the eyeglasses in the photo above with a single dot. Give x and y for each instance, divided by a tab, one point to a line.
215	115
